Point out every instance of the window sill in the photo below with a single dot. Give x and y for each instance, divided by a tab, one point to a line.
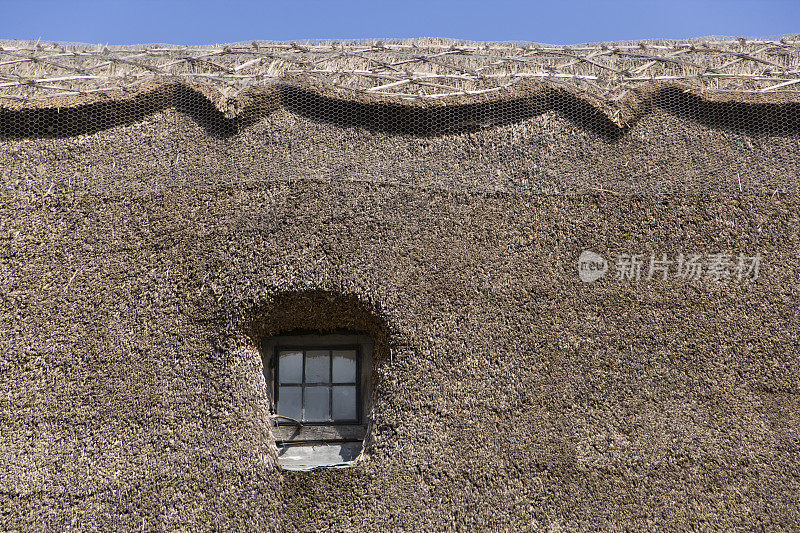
319	433
320	455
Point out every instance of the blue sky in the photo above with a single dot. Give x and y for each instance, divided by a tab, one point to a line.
561	22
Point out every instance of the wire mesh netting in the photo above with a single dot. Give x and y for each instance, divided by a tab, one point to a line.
714	114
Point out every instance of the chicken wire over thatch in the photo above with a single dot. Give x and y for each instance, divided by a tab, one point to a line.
405	104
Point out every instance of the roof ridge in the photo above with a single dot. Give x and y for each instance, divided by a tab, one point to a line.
425	68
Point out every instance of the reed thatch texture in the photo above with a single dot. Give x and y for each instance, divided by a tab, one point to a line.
551	153
513	396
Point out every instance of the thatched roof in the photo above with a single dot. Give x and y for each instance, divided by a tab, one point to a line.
244	79
160	216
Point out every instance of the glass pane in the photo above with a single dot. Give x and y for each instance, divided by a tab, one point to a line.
344	366
318	367
290	366
344	403
289	402
317	401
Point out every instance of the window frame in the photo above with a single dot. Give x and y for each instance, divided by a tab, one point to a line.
276	385
287	432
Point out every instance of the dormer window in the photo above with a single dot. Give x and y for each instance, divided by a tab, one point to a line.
319	385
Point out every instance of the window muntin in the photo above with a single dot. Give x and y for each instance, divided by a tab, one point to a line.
318	385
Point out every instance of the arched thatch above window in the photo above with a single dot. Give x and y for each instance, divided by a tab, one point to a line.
318	312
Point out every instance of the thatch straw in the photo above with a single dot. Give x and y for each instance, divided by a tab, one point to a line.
423	67
616	78
155	228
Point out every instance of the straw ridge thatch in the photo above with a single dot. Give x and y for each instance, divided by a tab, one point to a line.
776	114
57	90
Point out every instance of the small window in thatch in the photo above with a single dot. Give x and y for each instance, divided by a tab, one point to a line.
319	386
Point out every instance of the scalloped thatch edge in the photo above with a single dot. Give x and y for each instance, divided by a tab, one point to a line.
305	95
